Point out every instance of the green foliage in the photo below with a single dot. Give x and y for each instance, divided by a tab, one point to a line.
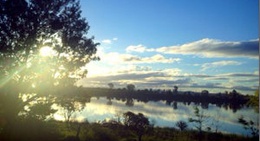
31	129
99	133
136	122
36	130
40	110
254	101
71	104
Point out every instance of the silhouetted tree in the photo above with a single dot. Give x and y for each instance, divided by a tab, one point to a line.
110	85
175	105
109	102
205	93
43	48
138	123
129	102
250	125
182	125
130	87
199	119
175	90
41	110
69	105
233	94
27	26
215	122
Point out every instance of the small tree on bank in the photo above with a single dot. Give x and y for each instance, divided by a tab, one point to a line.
199	119
182	125
136	122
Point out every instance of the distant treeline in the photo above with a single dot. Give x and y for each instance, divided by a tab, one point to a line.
232	100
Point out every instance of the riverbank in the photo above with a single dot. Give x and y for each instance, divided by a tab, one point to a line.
36	130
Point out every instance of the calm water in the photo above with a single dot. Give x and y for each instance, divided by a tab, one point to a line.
163	115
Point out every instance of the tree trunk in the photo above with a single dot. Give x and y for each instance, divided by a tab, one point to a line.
78	130
139	137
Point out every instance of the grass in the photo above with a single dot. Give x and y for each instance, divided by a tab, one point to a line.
61	131
99	132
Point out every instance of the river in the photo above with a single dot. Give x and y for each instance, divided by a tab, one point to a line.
163	114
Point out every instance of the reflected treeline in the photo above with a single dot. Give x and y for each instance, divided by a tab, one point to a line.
228	100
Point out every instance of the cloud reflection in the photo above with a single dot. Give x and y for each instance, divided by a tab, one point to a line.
164	115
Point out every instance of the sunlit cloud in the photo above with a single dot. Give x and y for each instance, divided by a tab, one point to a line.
122	73
215	48
115	57
158	58
210	48
109	41
138	48
217	64
122	68
106	41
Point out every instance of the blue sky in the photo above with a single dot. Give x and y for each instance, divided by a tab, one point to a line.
195	45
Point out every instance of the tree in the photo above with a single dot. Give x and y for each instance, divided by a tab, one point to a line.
250	125
129	102
136	122
182	125
130	87
234	94
69	105
175	90
205	93
110	85
199	119
254	101
29	27
43	50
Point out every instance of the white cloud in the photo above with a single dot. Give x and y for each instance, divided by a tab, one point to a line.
141	76
147	77
107	41
217	64
158	58
114	58
123	68
215	48
138	48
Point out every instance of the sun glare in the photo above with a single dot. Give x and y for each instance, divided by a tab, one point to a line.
47	51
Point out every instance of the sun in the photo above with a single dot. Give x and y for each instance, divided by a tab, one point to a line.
47	51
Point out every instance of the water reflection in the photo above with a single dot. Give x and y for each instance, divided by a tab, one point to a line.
129	102
163	113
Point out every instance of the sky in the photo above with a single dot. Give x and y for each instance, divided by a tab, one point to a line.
195	45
